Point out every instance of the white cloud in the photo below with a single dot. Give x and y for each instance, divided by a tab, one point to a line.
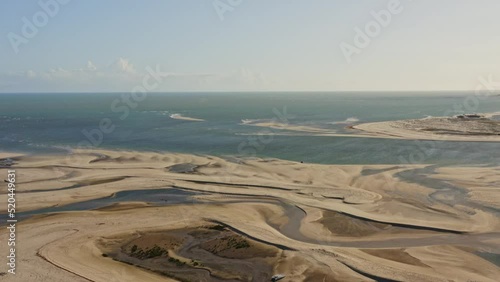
123	65
118	76
91	66
31	74
121	75
243	79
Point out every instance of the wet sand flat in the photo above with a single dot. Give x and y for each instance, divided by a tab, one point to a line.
309	221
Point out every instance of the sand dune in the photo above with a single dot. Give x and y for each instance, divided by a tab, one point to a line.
332	222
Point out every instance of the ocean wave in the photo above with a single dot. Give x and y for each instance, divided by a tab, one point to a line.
347	121
164	113
247	121
9	119
493	116
255	121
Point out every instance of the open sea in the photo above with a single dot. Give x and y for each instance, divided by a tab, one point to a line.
42	123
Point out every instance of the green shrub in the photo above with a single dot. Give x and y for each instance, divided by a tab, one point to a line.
217	227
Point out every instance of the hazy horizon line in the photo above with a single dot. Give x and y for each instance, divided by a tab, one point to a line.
250	91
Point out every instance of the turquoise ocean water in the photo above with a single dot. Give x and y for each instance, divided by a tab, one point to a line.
39	123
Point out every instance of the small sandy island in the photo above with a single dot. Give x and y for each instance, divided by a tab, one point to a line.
473	128
181	117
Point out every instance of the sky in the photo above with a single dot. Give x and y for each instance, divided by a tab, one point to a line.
248	45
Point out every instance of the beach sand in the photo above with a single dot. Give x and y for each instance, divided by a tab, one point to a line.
436	129
323	222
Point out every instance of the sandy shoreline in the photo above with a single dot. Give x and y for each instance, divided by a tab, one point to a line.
385	130
345	222
436	129
7	155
